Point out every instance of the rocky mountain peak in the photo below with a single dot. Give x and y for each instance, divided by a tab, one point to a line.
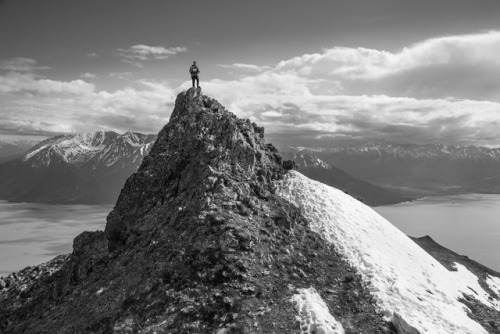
203	149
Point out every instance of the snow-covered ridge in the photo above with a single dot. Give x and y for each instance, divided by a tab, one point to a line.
96	148
411	288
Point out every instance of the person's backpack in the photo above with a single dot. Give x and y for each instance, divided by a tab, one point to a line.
194	70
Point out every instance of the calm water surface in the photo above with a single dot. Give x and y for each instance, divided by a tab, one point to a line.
34	233
466	224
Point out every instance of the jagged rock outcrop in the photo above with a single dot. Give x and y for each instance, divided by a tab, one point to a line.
198	242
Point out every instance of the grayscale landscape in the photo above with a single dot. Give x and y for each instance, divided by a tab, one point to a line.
250	167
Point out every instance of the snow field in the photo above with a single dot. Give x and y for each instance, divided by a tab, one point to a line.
400	275
314	315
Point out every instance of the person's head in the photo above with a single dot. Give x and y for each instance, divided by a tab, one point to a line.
194	62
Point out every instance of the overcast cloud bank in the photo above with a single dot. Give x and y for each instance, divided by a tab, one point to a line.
442	89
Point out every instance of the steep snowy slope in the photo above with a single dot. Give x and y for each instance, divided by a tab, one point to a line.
412	289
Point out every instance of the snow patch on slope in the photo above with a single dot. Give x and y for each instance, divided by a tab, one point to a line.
411	288
315	318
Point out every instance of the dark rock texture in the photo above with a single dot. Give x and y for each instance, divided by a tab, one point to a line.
197	243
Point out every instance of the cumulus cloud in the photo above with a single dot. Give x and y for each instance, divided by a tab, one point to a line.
245	67
292	114
27	83
137	53
34	105
370	64
440	90
464	66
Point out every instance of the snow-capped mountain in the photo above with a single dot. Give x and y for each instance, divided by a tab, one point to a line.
91	150
426	169
74	168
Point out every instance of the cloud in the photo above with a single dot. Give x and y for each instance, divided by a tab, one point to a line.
27	83
371	64
464	66
441	90
88	75
137	53
92	55
20	65
246	67
300	100
125	76
41	106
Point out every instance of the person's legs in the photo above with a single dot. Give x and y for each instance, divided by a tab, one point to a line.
192	79
197	82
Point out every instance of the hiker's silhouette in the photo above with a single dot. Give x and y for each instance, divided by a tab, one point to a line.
194	70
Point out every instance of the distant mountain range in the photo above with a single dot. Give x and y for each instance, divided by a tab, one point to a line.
422	169
318	170
76	168
12	148
92	168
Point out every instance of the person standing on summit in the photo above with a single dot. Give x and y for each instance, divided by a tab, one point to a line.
194	70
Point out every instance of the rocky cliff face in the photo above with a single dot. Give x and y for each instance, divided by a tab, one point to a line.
210	235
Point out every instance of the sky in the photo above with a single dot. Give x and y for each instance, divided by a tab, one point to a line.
313	73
